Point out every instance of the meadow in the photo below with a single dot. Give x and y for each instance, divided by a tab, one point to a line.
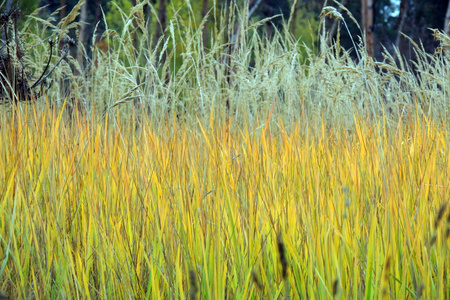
101	211
307	175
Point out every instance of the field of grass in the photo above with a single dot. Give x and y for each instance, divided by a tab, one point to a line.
253	168
213	211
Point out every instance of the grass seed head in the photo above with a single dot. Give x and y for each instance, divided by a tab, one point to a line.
282	253
332	13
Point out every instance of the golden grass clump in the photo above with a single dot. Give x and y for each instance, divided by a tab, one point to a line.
102	210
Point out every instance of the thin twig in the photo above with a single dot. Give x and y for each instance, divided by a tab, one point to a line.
46	67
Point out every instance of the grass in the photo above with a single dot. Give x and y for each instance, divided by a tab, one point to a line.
242	171
100	210
248	73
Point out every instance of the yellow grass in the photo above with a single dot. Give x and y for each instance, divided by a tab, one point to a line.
99	210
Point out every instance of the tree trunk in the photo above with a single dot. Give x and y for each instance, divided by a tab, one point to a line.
161	27
364	16
98	17
294	18
367	24
82	34
62	12
8	9
404	6
205	29
447	20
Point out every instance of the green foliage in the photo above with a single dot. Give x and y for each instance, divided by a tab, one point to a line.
116	12
307	27
27	6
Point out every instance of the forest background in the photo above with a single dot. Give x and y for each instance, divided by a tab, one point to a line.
383	21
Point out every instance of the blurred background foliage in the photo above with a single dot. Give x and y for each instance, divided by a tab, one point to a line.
388	19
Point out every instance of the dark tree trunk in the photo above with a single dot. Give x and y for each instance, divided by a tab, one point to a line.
404	6
294	18
62	12
161	27
367	24
98	16
205	29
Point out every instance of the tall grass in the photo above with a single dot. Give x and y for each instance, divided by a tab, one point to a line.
240	72
237	170
104	211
